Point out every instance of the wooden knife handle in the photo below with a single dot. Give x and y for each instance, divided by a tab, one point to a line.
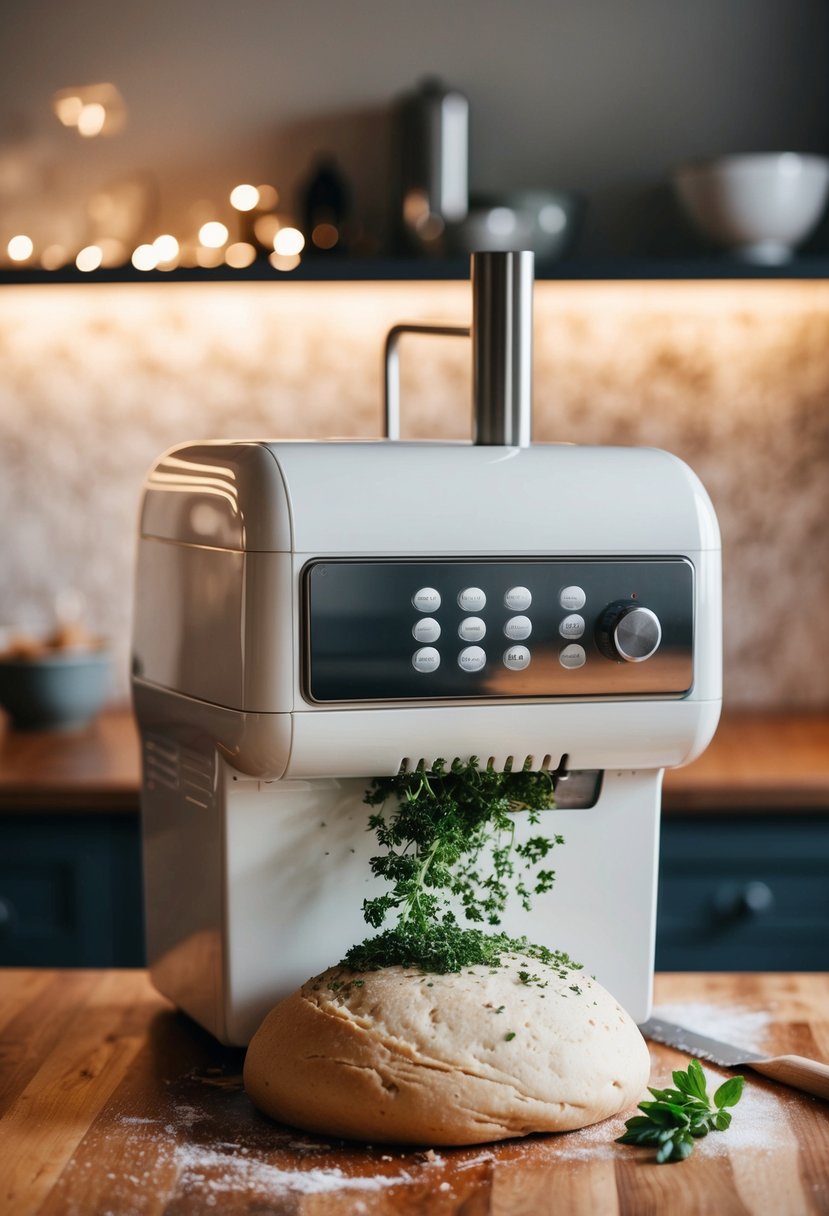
797	1071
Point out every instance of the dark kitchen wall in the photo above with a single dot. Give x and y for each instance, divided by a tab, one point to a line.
600	95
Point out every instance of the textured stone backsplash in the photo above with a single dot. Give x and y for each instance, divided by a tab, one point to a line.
96	380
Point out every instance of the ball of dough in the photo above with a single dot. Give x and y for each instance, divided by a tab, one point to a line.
399	1056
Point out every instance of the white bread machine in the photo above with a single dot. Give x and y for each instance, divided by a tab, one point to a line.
310	615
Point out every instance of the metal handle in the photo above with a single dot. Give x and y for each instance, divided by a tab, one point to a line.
391	364
751	899
502	351
8	917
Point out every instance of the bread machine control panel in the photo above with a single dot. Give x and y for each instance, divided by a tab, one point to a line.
414	630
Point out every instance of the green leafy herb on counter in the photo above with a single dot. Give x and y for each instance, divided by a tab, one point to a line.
679	1116
449	842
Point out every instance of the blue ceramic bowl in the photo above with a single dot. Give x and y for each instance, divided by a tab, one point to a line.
59	691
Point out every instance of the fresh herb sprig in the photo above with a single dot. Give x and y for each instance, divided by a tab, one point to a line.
449	843
677	1117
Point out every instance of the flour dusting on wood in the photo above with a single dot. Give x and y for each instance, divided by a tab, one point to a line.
730	1024
201	1141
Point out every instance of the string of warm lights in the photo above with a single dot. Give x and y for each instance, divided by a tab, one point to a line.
266	233
260	230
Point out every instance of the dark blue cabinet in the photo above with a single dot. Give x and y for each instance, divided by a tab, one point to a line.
736	892
744	893
70	890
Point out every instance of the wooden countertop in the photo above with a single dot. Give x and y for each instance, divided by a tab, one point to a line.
756	762
112	1102
97	768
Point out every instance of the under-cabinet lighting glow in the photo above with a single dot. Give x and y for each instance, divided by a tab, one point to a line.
89	258
20	248
244	197
213	234
288	242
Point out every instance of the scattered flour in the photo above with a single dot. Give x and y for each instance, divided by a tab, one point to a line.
246	1174
193	1140
731	1024
470	1161
757	1122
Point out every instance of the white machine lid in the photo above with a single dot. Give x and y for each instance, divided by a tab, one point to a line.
390	497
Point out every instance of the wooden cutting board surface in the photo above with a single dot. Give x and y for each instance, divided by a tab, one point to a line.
110	1102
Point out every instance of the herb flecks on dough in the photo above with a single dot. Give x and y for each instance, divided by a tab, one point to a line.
449	841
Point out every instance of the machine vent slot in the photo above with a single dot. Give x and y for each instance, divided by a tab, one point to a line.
196	775
408	765
161	759
188	773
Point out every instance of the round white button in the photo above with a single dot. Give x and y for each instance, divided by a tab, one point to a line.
472	599
518	627
518	599
572	598
472	629
426	630
472	658
426	599
426	659
572	626
572	656
517	658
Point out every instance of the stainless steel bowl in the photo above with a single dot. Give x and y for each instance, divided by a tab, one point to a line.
544	221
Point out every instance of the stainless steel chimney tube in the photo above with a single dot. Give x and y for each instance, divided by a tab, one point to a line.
502	348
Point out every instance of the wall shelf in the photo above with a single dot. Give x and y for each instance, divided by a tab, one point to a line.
379	270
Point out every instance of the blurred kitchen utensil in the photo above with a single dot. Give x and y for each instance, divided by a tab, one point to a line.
759	206
432	137
325	205
544	221
812	1076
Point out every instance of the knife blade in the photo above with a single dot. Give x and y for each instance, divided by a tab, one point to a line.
694	1044
812	1076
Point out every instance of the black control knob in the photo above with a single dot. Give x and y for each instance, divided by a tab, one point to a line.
628	632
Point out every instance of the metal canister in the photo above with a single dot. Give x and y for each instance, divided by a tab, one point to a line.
433	145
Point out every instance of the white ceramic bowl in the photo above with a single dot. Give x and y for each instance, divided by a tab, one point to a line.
760	206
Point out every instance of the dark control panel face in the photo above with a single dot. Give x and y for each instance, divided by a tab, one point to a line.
395	630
